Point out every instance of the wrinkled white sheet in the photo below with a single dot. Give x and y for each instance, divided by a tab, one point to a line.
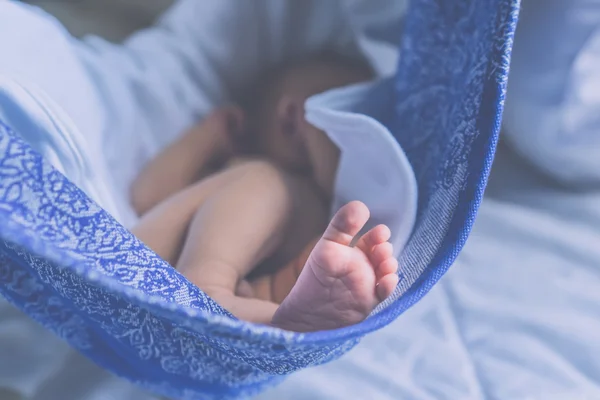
552	112
517	317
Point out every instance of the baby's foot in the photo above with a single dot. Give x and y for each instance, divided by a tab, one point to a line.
340	285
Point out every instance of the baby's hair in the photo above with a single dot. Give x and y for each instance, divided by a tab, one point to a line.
327	58
254	93
267	86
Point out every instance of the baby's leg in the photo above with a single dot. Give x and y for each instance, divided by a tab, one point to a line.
164	227
234	229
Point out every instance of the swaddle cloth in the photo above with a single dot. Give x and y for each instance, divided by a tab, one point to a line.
71	266
373	168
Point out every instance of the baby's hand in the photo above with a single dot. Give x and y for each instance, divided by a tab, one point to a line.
224	129
190	157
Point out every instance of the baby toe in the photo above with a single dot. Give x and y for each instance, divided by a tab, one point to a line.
347	223
375	236
381	252
389	266
386	286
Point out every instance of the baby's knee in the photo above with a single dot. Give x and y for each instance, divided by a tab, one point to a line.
262	175
265	182
257	167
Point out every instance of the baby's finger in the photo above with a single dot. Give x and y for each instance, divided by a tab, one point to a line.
235	120
244	289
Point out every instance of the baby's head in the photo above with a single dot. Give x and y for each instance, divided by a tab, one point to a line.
277	116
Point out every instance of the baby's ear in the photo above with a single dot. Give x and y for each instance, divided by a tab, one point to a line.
289	116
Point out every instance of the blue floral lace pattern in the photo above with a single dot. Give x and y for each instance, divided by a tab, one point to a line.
73	268
450	88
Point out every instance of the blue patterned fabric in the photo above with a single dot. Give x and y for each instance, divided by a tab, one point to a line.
72	267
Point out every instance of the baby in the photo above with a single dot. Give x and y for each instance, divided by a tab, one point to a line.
217	218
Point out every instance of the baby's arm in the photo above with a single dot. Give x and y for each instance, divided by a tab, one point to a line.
183	162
